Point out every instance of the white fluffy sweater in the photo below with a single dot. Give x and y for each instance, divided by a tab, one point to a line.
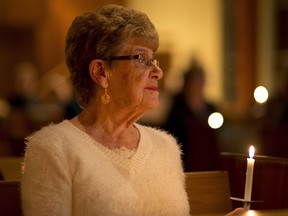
66	172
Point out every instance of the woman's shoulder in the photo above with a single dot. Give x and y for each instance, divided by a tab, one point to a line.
49	131
53	136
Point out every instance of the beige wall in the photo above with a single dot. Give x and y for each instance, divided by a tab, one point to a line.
189	28
186	28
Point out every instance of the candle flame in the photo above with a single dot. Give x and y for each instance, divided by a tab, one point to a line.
251	151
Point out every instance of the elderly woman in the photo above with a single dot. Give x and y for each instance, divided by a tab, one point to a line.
102	162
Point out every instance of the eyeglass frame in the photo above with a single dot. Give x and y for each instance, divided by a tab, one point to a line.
133	57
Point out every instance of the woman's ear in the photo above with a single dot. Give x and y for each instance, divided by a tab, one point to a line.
97	73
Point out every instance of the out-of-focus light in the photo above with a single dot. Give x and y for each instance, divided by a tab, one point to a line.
261	94
251	213
215	120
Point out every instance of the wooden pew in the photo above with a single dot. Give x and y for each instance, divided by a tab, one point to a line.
208	192
10	167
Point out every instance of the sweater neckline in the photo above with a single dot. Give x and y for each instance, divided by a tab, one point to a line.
135	163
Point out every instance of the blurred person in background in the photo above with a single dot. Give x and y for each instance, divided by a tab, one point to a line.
23	99
277	106
188	122
274	122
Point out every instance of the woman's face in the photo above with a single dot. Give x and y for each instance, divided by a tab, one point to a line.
133	84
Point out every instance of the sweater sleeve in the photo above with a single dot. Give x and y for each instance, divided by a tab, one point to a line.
46	185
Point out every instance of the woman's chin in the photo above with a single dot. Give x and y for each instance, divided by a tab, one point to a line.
154	106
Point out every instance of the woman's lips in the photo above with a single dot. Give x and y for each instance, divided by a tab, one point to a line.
153	88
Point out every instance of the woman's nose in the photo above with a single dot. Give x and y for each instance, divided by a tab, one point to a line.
157	72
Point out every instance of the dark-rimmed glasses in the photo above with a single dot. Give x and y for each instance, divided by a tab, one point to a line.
142	58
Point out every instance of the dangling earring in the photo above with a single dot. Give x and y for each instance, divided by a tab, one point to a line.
105	99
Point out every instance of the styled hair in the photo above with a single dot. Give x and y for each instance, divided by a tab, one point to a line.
99	34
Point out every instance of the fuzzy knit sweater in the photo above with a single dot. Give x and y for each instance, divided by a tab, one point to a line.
66	173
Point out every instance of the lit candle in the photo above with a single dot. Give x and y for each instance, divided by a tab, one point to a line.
249	174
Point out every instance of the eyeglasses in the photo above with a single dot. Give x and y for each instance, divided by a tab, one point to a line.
142	58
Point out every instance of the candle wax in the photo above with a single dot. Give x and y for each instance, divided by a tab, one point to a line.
249	179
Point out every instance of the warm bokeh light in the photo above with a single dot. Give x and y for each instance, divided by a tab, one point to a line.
215	120
261	94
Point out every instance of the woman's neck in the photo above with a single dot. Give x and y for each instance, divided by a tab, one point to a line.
108	132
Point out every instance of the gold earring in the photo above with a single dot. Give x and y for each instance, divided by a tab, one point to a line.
105	99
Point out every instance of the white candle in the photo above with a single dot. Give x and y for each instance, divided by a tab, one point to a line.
249	174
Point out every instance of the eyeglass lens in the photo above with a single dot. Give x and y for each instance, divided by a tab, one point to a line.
145	59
